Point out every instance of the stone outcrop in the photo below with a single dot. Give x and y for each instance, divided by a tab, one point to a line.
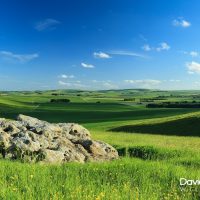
32	140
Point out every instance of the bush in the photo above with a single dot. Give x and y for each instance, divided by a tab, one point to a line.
152	153
173	105
122	151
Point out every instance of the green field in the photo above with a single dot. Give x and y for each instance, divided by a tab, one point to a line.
157	146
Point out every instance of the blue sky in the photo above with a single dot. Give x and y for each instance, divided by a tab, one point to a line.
99	44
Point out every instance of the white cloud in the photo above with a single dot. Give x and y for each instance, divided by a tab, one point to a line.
147	81
87	65
104	84
181	22
101	55
193	67
163	46
66	76
194	53
146	47
7	55
108	85
64	83
127	53
191	53
47	24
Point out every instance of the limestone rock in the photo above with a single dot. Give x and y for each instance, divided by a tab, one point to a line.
30	139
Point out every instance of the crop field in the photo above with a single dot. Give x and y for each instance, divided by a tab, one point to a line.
157	146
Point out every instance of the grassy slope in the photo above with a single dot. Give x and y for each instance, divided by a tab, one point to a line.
154	177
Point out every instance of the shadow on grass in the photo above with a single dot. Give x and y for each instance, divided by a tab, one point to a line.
181	127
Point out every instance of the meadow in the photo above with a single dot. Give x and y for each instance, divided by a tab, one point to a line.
157	146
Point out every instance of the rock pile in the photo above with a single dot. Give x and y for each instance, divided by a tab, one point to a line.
33	140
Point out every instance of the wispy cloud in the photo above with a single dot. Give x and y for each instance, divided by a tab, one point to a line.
109	85
72	85
47	24
65	76
127	53
193	67
22	58
142	37
104	84
87	65
101	55
174	81
191	53
146	83
181	23
149	81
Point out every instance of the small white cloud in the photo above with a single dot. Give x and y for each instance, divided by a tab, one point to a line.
66	76
87	65
22	58
194	53
146	47
189	72
193	67
181	22
101	55
191	53
163	46
47	24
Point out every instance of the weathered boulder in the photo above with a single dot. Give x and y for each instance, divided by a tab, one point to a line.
33	140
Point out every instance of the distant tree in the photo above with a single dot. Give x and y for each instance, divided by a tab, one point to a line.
54	94
129	99
173	105
60	100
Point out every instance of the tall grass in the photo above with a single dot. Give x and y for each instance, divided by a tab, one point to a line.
123	179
